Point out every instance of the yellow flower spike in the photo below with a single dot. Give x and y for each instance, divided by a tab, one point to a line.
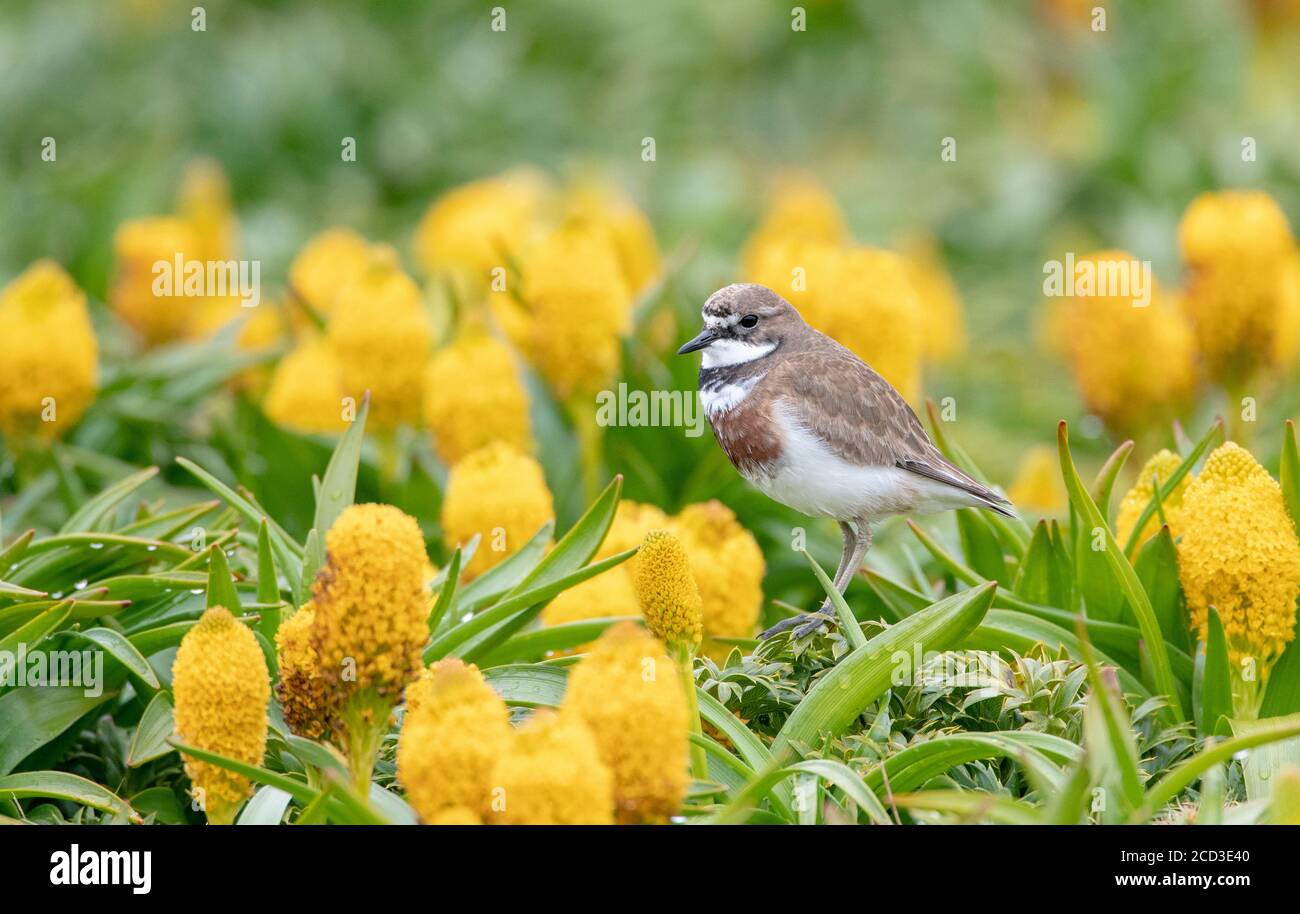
800	210
139	244
626	690
455	729
49	357
603	209
473	396
328	264
1239	553
372	604
1238	246
728	568
666	590
456	815
942	318
552	775
1038	486
576	306
383	336
204	202
301	690
221	688
306	390
632	521
1161	465
499	494
480	226
1129	388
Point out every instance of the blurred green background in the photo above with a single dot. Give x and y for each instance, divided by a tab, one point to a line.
1067	139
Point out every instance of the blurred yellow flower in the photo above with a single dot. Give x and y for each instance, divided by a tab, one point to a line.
49	357
500	494
727	565
456	815
627	691
599	208
943	322
306	391
1239	249
1161	466
451	738
138	244
1239	553
371	603
1128	386
666	590
572	308
474	396
479	227
552	775
383	336
799	210
328	264
221	687
300	691
1038	486
204	202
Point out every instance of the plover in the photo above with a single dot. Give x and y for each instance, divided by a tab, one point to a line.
816	429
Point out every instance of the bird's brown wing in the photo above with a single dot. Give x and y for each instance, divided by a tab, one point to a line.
861	418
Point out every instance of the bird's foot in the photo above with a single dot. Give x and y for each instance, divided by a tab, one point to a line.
803	625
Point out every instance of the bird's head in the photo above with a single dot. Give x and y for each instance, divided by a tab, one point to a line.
744	322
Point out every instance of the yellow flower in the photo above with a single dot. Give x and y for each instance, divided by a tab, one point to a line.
1128	386
49	358
220	685
1038	486
1239	553
572	308
611	593
942	320
138	245
327	265
371	603
800	210
306	391
499	494
597	207
727	565
204	202
552	775
1238	247
451	739
456	815
474	396
301	690
1161	465
383	337
627	691
481	226
666	590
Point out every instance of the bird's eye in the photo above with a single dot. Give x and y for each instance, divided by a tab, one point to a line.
749	321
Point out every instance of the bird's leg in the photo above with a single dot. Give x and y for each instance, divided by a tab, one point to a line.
843	574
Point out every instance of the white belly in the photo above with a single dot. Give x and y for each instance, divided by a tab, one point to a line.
810	478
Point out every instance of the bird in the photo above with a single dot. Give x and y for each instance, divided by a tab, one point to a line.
816	429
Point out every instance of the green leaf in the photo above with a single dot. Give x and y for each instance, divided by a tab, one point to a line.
1261	765
446	593
221	585
268	589
338	487
267	807
849	626
844	692
974	805
1157	569
1213	692
63	786
1108	739
34	717
1104	484
313	561
914	766
152	734
1156	652
981	546
1289	475
161	803
92	512
535	645
1034	577
1214	434
1282	693
35	631
506	574
528	685
124	652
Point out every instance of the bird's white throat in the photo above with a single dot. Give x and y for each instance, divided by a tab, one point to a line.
723	353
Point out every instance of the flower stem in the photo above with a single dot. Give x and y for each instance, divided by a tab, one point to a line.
685	661
590	435
365	719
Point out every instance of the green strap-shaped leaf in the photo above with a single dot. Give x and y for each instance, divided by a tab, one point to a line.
338	487
90	514
150	739
63	786
221	585
1213	693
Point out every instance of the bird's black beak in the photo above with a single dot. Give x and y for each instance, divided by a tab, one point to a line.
706	337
